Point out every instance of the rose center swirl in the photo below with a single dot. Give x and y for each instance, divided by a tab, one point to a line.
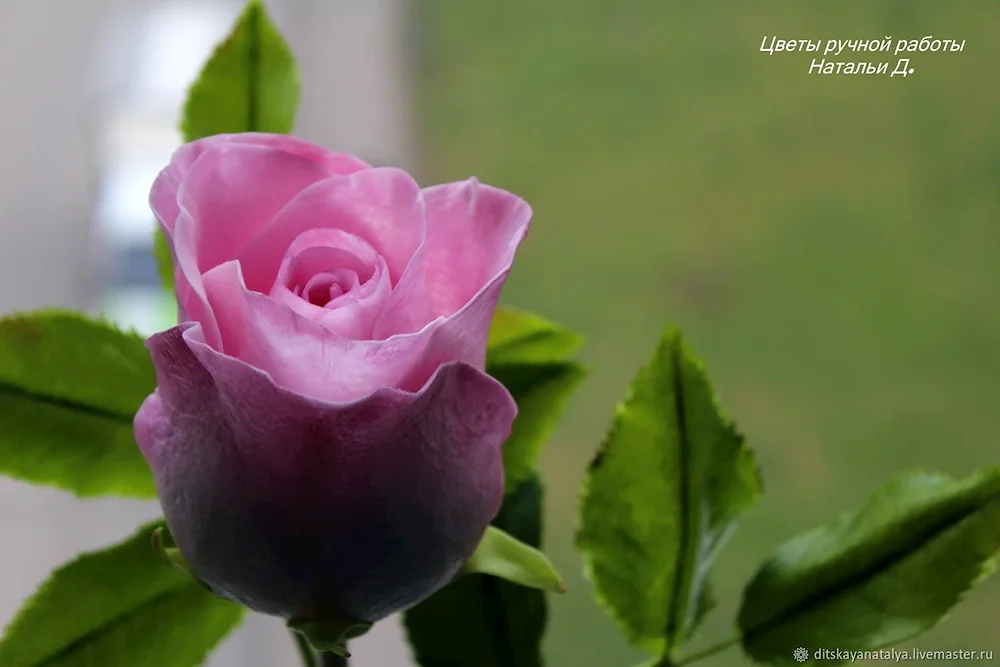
321	274
321	266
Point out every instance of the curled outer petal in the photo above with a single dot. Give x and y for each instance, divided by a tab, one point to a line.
304	508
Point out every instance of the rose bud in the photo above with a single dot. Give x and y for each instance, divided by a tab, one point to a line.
325	442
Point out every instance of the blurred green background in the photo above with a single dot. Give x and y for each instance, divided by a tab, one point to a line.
829	244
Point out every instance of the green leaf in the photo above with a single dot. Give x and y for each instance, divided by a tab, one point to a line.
69	389
878	576
533	359
661	498
482	621
118	606
541	391
501	555
164	258
250	84
520	337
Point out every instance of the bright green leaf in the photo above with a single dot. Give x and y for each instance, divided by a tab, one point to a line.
542	391
119	606
501	555
69	389
532	357
661	498
164	258
879	576
520	337
250	84
482	621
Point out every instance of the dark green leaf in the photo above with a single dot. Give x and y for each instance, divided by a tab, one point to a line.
119	606
481	621
69	389
250	84
661	498
533	359
878	576
541	392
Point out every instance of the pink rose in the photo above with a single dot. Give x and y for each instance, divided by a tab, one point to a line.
324	440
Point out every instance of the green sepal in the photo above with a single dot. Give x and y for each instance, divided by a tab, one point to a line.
163	543
505	557
166	547
330	635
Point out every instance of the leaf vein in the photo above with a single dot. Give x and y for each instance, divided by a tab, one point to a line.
859	578
56	401
112	623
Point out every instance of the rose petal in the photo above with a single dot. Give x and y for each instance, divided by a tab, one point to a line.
233	191
192	301
473	232
303	356
352	314
353	510
333	162
163	195
382	206
327	287
312	248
